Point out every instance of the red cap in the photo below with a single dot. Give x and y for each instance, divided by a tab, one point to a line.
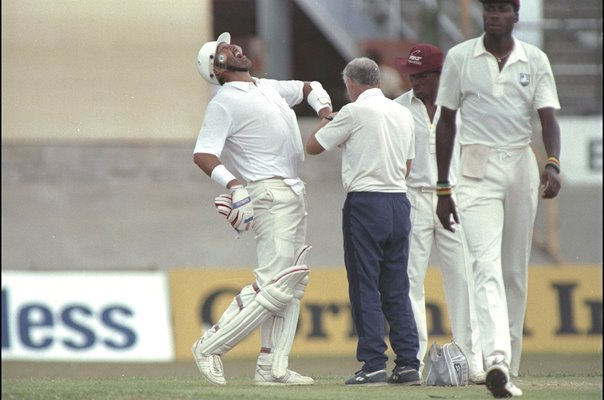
516	3
423	57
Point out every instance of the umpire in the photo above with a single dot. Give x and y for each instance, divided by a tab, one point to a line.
376	136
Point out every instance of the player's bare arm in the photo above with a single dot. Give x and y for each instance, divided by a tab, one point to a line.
208	162
445	138
550	177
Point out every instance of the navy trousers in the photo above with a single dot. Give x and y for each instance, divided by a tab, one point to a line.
376	229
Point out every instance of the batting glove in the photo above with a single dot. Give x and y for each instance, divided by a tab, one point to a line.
223	205
237	208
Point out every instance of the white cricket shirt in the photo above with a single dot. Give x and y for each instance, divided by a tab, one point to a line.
377	137
424	171
255	124
496	107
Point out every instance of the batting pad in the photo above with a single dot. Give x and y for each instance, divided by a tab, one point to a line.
271	300
284	332
280	290
238	303
284	329
300	256
235	330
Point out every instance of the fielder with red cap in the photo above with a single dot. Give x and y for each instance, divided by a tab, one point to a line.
497	82
423	66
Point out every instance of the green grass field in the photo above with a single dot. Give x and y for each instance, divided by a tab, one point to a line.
552	377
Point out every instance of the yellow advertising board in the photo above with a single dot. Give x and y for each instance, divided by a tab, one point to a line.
564	313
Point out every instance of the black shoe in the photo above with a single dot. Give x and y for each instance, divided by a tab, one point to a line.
405	376
368	378
499	384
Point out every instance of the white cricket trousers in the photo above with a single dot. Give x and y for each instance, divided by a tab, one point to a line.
456	268
280	230
279	226
498	214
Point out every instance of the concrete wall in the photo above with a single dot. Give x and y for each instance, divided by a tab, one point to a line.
108	69
129	204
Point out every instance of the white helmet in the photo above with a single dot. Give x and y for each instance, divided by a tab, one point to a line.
205	58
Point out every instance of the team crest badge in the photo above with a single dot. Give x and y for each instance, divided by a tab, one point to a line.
525	79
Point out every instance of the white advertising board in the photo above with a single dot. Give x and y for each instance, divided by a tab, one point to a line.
581	150
86	316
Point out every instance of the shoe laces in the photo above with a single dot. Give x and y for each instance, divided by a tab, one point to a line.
402	369
215	364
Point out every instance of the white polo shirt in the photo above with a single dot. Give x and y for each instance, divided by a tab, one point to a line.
255	124
377	137
424	172
496	107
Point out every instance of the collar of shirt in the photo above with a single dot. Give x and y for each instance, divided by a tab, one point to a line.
414	98
517	54
429	125
242	85
369	93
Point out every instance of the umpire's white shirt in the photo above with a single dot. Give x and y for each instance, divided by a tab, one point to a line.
255	123
424	172
496	106
377	137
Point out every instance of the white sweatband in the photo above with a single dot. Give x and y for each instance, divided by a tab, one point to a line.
221	175
318	97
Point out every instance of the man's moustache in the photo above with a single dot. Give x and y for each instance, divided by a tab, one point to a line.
237	69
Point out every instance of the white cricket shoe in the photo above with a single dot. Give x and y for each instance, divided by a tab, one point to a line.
499	383
209	366
477	378
264	377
